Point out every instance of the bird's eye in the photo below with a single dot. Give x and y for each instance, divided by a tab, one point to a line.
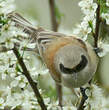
75	69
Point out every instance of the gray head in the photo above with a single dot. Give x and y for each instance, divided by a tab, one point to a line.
73	62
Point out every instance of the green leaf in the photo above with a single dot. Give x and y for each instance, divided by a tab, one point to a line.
104	31
18	68
58	14
104	8
51	92
3	20
23	51
90	24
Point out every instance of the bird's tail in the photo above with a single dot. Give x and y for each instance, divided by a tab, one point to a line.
27	27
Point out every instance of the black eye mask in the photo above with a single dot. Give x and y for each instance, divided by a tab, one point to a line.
77	68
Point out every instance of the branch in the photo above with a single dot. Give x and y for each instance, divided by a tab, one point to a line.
53	15
96	34
55	25
84	98
4	49
31	82
81	105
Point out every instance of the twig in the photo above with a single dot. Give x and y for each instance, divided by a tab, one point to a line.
55	25
53	15
84	98
81	105
96	34
4	49
31	82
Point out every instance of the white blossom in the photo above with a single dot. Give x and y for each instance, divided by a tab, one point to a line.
104	49
7	6
14	83
18	92
107	2
32	45
106	16
3	76
2	104
82	30
88	7
96	100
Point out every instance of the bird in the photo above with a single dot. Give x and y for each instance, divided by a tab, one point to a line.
71	61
